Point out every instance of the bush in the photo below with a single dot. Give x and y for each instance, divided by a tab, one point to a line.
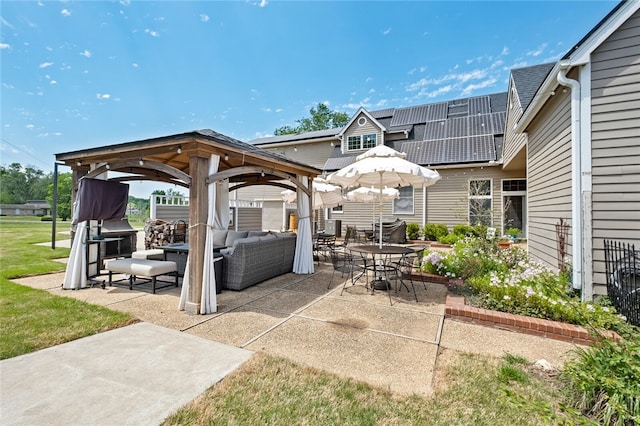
606	378
449	239
413	231
464	230
433	231
46	219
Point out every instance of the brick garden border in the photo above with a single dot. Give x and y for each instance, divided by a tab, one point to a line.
457	309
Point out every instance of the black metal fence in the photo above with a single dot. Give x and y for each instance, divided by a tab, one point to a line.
622	265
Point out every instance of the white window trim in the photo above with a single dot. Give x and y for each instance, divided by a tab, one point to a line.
361	147
516	193
480	197
413	204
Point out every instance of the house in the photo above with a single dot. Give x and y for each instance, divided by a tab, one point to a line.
461	139
575	127
562	143
30	208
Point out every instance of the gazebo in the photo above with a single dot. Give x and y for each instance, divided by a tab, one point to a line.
184	159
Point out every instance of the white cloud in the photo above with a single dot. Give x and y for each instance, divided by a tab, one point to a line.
5	46
439	91
46	64
65	12
135	65
387	31
53	82
505	51
86	53
103	96
152	33
538	51
204	17
125	2
29	126
472	87
6	23
263	3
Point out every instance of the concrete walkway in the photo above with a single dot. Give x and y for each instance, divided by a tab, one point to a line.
140	374
135	375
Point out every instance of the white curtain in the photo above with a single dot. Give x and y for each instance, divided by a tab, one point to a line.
75	276
216	218
303	260
208	301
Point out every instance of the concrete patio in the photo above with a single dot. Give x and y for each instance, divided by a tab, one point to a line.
356	335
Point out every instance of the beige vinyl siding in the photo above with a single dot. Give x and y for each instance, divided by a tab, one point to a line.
615	142
172	213
514	142
447	200
366	129
312	153
549	177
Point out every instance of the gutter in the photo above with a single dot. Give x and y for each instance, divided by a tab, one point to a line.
576	177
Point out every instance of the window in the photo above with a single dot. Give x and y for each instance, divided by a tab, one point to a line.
480	202
359	142
337	209
404	203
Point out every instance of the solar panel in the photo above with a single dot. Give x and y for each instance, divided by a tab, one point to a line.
457	127
479	105
434	130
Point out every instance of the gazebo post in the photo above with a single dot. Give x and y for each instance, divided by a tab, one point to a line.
198	203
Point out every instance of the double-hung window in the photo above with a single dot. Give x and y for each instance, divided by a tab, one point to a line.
404	203
480	202
360	142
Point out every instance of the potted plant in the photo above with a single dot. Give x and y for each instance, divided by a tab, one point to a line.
513	233
505	241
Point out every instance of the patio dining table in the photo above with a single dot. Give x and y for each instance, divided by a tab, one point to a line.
381	262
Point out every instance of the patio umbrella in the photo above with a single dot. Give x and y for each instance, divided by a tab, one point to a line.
324	195
383	166
369	194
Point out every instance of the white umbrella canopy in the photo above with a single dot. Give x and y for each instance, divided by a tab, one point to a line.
369	194
383	166
324	195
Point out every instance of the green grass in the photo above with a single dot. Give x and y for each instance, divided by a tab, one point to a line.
273	391
35	319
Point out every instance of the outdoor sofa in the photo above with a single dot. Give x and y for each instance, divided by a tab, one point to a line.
251	257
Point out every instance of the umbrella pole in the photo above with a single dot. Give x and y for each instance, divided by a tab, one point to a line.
380	207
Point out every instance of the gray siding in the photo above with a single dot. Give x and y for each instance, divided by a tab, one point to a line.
447	200
249	219
514	143
549	176
356	129
615	138
172	213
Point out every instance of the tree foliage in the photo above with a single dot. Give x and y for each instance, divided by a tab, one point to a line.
321	118
65	185
20	184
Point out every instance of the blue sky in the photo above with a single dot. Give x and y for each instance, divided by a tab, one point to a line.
81	74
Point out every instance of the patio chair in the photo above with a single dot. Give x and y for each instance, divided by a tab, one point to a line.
341	261
404	270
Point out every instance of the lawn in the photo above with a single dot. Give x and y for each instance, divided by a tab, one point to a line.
34	319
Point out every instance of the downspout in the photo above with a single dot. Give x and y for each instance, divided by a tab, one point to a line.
576	178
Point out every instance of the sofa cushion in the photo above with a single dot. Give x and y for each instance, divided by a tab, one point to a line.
245	241
267	237
219	237
257	233
234	235
227	251
285	235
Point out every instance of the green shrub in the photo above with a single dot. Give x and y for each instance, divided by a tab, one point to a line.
464	230
433	231
606	378
46	219
413	231
449	239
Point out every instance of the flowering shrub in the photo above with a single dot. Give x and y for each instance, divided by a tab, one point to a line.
507	280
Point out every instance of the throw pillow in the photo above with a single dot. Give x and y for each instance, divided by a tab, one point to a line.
234	235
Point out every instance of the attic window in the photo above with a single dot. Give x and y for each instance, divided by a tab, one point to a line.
362	121
359	142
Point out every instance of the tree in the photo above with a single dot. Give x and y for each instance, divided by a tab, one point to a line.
65	183
19	185
321	118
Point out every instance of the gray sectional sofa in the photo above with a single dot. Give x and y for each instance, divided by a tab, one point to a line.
254	256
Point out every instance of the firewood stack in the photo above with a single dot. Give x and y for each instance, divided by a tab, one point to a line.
157	232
